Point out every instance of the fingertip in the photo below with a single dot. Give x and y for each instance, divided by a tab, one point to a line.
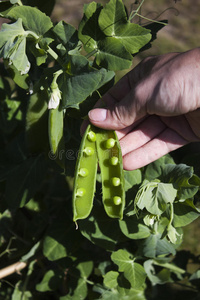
97	114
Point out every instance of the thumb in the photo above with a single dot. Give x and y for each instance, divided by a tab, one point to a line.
119	116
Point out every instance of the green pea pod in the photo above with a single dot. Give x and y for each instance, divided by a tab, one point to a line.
56	138
85	176
111	165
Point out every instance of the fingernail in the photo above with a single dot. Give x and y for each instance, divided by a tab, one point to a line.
97	114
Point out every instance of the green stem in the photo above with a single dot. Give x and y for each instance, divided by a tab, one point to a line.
170	267
50	51
28	32
135	12
57	74
55	56
171	214
91	53
145	18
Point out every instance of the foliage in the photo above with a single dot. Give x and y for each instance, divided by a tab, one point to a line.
53	74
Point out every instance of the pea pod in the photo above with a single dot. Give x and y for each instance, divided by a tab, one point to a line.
85	176
110	162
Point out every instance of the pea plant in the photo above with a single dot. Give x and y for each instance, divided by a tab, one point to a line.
73	223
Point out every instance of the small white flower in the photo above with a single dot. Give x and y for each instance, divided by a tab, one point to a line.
55	97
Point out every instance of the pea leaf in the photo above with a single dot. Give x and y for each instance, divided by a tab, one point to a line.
19	292
97	229
23	181
14	1
67	34
50	281
154	196
45	6
132	178
13	46
155	169
4	8
80	81
114	39
86	34
183	179
154	246
22	80
113	22
163	276
133	272
61	238
112	55
185	213
78	281
110	279
195	276
28	15
133	228
112	17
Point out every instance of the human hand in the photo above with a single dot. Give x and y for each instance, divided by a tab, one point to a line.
155	108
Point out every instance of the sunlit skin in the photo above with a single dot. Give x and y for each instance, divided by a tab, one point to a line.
155	108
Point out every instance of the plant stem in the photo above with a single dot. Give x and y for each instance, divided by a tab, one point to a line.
145	18
135	12
91	53
55	56
14	268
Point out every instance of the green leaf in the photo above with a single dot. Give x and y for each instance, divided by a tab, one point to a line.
133	37
14	110
154	196
21	294
45	6
183	179
97	229
4	8
67	34
80	81
195	276
14	1
22	80
185	213
112	17
112	55
154	170
29	15
50	282
78	281
110	279
161	277
24	181
31	252
113	22
13	46
132	178
133	272
155	245
86	34
61	238
39	53
133	228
